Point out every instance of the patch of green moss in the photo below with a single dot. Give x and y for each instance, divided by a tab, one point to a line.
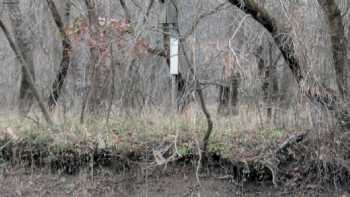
184	150
219	149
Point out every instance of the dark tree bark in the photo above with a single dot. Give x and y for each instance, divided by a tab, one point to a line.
23	40
65	62
228	95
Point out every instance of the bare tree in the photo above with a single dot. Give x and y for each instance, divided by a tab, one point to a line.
339	44
66	50
267	71
24	41
90	99
316	92
228	93
26	71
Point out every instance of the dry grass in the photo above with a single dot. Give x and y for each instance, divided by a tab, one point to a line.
247	139
234	137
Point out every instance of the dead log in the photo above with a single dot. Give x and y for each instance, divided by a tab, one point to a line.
292	140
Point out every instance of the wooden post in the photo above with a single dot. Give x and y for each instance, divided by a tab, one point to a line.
170	20
174	68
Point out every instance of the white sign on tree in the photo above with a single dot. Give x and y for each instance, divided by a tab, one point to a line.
174	56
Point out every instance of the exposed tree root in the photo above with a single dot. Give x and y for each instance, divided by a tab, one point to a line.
280	167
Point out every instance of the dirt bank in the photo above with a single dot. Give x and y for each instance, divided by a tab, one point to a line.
174	181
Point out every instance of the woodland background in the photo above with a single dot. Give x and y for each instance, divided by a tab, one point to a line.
253	73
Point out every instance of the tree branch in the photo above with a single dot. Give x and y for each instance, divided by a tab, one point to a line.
313	91
126	10
203	106
148	11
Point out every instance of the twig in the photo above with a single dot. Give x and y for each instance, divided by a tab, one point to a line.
175	143
230	44
36	121
199	161
6	144
346	9
202	16
148	11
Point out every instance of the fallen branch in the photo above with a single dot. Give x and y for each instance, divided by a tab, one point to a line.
294	139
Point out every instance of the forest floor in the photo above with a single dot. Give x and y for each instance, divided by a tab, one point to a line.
172	182
157	156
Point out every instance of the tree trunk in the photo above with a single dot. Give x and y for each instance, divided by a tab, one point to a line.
339	43
228	93
285	45
65	62
313	91
228	96
26	71
112	85
267	71
23	40
91	99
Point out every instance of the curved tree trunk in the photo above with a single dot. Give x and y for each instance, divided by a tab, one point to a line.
316	93
23	40
64	65
285	44
26	71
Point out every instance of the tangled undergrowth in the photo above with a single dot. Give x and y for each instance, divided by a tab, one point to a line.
308	159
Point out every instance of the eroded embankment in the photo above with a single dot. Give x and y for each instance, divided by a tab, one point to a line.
166	169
